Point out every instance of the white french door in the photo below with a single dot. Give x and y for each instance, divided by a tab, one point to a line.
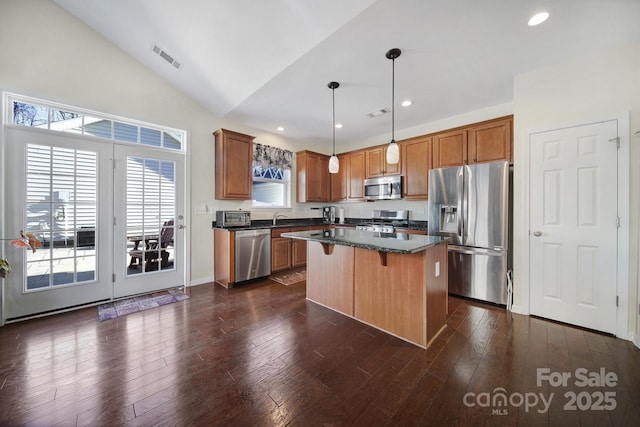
54	188
149	220
88	211
573	225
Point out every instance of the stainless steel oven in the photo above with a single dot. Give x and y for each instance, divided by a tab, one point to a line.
383	188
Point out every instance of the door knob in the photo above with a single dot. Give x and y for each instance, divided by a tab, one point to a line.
537	233
180	227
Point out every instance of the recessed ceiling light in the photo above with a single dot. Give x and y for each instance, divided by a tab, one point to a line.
538	18
338	125
406	103
280	129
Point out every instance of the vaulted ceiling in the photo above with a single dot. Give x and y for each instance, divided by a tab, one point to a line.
266	63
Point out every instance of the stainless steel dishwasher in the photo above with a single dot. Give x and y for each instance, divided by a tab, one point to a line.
253	254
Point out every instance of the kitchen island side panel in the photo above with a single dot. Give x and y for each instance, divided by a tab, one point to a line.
437	289
330	276
393	297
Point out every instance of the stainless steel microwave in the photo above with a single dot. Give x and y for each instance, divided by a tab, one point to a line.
233	218
383	188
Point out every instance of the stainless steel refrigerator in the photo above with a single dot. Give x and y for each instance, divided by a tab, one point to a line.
470	205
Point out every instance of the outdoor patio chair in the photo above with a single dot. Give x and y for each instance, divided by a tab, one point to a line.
154	248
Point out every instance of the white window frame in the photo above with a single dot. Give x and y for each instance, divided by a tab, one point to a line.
10	98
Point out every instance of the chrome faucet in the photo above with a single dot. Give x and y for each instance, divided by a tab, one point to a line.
276	216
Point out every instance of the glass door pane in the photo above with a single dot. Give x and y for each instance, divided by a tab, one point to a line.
150	213
61	189
149	199
61	206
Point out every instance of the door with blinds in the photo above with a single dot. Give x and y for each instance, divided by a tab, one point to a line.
149	222
56	189
109	217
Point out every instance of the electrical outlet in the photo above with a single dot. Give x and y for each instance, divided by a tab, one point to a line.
438	269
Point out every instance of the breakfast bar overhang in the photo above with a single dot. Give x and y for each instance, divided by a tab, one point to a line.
396	283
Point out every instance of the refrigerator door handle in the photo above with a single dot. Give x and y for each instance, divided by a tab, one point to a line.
475	251
460	189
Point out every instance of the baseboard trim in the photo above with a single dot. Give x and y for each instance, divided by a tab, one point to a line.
518	309
201	281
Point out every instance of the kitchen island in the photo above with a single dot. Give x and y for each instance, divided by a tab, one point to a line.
393	282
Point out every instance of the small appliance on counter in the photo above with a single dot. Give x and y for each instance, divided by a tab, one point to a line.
328	214
233	218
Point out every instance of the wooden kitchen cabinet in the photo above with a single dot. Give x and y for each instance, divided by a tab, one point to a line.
312	177
280	250
488	141
491	141
287	253
224	257
416	162
450	148
280	254
356	172
233	156
339	184
298	253
376	163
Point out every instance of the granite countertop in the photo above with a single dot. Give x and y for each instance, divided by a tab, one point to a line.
305	222
401	243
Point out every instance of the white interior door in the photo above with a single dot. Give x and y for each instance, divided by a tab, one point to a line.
573	225
149	220
54	185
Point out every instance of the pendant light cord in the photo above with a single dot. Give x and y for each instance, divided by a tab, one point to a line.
393	90
333	95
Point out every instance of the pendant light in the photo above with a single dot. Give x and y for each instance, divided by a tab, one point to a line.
334	164
393	151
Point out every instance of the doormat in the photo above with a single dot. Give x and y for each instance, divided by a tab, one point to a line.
111	310
290	277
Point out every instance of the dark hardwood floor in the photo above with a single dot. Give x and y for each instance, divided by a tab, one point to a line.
260	354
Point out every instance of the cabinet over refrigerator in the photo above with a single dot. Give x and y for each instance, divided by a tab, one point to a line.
470	205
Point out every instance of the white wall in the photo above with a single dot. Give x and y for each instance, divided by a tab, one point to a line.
580	90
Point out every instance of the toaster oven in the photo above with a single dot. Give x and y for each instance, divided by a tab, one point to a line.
233	218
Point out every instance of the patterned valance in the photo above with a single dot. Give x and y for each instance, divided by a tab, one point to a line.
269	162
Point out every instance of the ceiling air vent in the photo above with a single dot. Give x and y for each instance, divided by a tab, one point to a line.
378	112
164	55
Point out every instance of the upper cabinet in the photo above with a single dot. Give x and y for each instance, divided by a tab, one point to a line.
339	187
479	143
450	149
348	183
355	175
234	153
376	163
416	162
487	141
312	177
490	142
